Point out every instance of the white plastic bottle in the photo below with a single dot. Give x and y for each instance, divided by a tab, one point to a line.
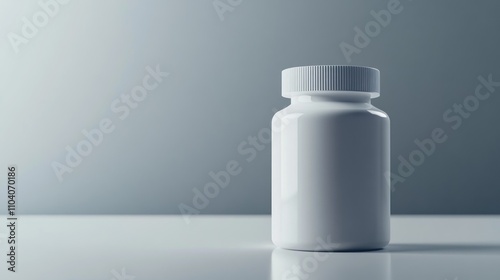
330	160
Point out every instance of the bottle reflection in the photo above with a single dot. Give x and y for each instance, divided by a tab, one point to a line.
299	265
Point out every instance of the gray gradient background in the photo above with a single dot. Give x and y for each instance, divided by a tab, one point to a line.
224	83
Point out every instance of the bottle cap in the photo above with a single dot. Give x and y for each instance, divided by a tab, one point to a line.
330	78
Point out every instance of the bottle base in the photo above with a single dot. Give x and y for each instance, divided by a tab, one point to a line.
333	247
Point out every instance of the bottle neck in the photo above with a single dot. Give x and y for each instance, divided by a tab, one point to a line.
348	97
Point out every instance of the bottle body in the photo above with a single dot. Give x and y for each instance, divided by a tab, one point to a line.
330	160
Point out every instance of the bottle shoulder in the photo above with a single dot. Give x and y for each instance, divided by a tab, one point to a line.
331	110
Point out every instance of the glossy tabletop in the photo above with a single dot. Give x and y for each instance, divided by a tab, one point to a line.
239	247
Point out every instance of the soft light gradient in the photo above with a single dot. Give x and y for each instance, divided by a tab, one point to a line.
223	87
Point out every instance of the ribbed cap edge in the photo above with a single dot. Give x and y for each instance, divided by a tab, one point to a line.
320	78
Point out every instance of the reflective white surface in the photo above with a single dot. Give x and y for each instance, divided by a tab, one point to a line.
239	247
330	155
